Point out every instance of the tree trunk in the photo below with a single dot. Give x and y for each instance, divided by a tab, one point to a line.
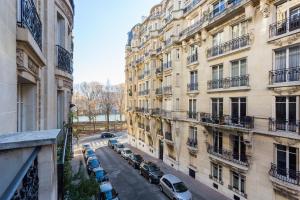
94	124
107	121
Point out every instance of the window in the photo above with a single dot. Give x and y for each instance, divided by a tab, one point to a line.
177	80
238	148
218	7
60	31
218	142
192	108
193	80
217	76
239	29
287	161
177	104
238	110
177	54
217	108
238	182
239	73
286	110
218	39
216	172
193	133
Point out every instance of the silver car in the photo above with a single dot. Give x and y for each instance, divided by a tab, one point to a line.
174	188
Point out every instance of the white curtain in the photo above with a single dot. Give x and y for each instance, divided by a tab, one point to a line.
280	59
294	57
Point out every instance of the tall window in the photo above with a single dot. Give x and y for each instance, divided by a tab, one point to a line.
218	7
238	148
218	39
60	31
192	108
218	142
238	109
239	29
287	161
193	133
216	172
217	76
238	73
193	80
238	182
286	111
217	107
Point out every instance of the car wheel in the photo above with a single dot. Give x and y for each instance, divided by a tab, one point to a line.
161	188
150	180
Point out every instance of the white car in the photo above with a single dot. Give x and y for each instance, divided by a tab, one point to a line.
174	188
125	153
119	148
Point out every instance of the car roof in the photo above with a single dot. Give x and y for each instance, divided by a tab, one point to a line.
126	149
106	186
98	169
173	179
113	140
93	158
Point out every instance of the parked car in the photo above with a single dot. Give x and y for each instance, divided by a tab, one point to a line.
100	174
92	164
119	148
112	142
89	153
174	188
107	192
107	135
91	158
135	160
125	153
150	171
85	147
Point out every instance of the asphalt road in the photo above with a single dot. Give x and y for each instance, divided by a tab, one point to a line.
127	181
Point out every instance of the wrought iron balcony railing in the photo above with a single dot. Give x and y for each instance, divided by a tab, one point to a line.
228	155
284	125
156	111
192	87
284	26
243	121
236	81
192	58
167	65
192	142
229	46
167	90
284	75
28	17
64	59
192	28
285	175
191	6
168	136
192	115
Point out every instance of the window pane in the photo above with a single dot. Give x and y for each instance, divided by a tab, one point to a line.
280	59
234	68
294	56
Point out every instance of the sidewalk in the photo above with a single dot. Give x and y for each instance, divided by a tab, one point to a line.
198	189
78	157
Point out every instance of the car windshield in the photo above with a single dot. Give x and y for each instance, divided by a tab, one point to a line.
120	146
138	157
180	187
113	141
153	168
128	151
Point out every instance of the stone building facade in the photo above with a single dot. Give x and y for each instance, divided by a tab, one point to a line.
212	89
36	84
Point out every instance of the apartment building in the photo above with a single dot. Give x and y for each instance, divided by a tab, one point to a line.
36	85
213	90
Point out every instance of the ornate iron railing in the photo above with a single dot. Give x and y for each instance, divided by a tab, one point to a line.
167	65
228	155
156	111
228	7
64	59
286	175
284	75
284	26
28	17
243	121
192	115
193	28
192	142
192	87
284	125
191	6
167	90
25	184
236	81
231	45
192	58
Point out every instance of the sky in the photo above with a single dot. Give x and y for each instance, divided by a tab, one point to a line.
100	36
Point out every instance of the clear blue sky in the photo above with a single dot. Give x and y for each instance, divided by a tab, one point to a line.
100	35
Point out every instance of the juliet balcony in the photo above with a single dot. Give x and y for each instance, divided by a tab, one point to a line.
284	76
190	30
227	121
64	60
291	126
286	177
192	144
192	87
190	115
230	83
191	6
229	46
283	27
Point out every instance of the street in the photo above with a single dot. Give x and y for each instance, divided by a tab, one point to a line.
130	184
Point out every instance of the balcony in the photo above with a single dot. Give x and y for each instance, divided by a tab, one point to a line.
168	19
229	156
288	177
230	82
192	145
166	114
285	126
192	28
191	6
226	121
167	65
230	46
64	60
168	138
156	111
192	87
158	92
285	26
286	75
167	90
192	59
28	17
192	115
159	71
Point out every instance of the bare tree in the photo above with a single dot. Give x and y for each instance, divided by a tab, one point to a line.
119	99
107	102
